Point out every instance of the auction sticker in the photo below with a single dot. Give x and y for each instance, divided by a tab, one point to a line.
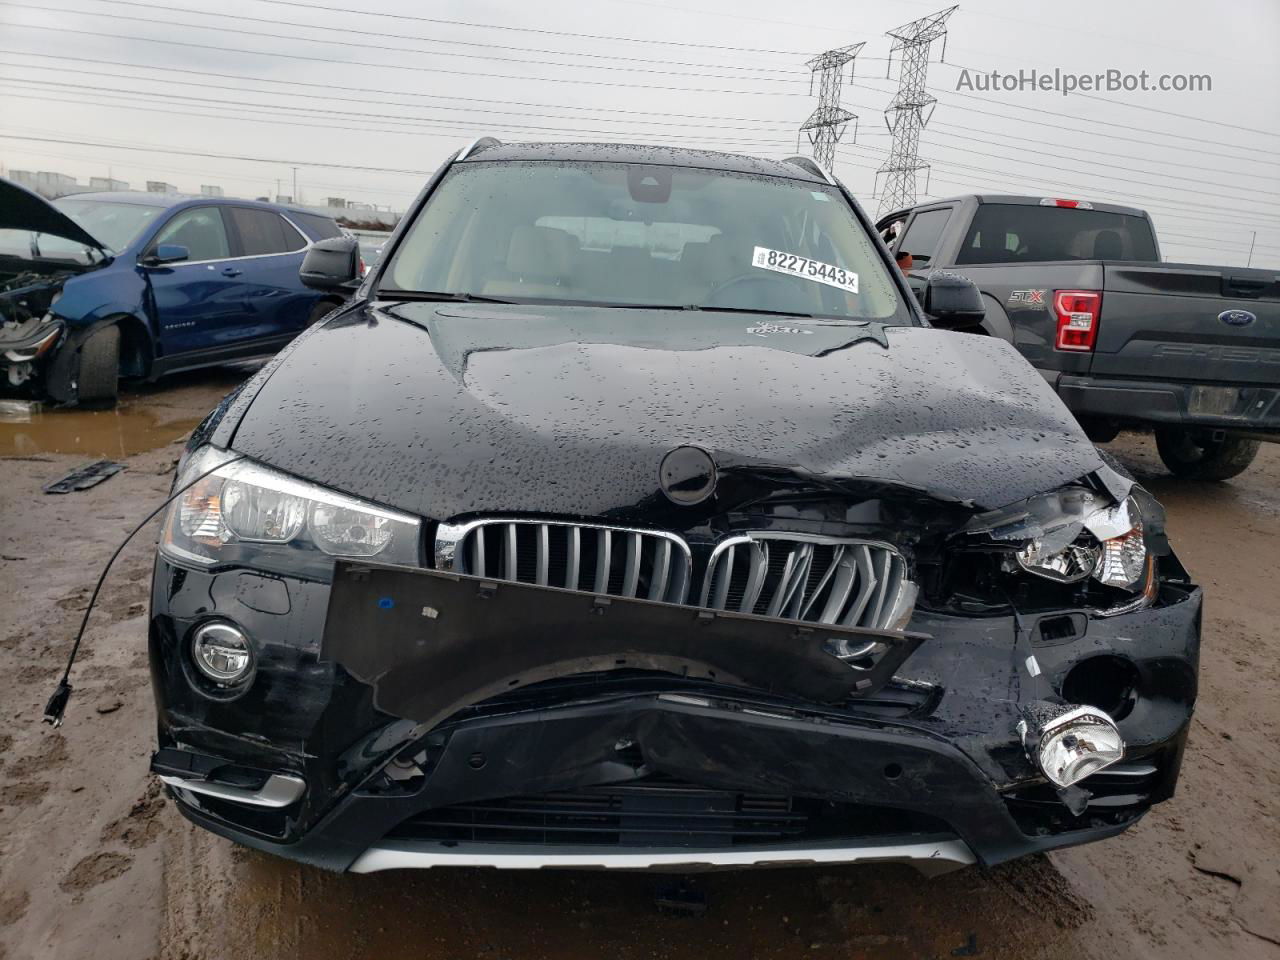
798	266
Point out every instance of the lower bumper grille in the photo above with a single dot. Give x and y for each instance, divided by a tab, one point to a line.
657	812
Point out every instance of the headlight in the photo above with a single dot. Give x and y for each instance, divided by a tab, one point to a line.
245	513
1113	551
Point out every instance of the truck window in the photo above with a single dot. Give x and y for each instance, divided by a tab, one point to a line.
1021	233
923	234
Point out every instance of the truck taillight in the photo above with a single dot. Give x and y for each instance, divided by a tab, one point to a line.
1078	312
1069	204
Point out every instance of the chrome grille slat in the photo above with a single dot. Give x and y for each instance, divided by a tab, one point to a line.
818	579
631	573
604	553
796	576
574	559
866	583
510	554
661	566
544	552
648	564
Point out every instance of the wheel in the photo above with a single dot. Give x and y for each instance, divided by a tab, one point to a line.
1191	454
98	380
320	311
1099	430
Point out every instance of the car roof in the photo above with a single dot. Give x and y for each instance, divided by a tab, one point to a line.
148	199
640	153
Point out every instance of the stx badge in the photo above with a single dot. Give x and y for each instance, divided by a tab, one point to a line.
1033	299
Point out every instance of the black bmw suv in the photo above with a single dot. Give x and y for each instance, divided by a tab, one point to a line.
633	513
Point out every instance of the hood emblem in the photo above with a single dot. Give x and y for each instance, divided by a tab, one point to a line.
1236	318
687	475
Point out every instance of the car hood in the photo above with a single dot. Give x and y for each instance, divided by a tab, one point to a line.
445	410
20	209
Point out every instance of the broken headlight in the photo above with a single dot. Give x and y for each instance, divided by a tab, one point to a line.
1112	549
246	514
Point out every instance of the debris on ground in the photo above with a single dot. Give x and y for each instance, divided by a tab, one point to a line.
84	477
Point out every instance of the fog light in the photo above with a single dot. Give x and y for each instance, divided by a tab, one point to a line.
1068	743
221	652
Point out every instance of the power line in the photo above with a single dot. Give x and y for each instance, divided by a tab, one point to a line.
458	130
346	87
1089	132
147	148
361	114
346	12
1104	123
397	66
1021	146
384	48
967	186
1140	106
240	18
1090	190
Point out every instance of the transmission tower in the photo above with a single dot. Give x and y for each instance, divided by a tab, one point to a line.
826	124
910	108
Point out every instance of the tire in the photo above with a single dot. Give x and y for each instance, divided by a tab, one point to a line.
1189	454
320	311
98	381
1099	430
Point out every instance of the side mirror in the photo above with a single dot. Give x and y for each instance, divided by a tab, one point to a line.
331	264
953	302
166	253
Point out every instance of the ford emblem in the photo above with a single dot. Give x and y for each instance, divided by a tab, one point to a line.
1236	318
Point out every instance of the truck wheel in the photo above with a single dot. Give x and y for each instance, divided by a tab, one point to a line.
1191	454
1099	430
99	376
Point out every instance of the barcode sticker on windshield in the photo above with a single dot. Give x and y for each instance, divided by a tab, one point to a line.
799	266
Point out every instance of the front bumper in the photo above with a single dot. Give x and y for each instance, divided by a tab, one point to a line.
1231	407
929	772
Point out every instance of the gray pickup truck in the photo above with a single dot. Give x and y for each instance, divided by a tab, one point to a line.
1190	350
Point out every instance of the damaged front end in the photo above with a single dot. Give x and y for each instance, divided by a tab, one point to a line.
29	330
788	672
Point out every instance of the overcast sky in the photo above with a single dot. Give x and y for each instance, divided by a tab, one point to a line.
388	89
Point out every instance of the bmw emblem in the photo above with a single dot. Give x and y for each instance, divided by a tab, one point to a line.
687	475
1236	318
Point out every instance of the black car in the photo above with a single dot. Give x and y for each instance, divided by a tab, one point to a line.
633	514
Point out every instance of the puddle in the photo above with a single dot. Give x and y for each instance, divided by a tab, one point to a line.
27	429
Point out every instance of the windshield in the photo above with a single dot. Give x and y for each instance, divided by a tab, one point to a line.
639	235
114	225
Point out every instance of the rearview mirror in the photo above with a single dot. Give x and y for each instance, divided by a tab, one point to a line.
953	302
166	253
331	264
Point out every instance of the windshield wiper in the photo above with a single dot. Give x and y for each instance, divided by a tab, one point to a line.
440	296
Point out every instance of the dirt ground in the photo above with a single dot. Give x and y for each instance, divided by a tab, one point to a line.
95	863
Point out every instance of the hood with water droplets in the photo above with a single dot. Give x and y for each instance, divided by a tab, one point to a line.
446	410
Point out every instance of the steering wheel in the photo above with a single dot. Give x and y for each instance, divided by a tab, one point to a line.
768	281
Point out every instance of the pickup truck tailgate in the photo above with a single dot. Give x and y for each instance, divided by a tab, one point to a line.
1184	322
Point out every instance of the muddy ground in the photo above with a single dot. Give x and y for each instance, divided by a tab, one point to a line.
95	863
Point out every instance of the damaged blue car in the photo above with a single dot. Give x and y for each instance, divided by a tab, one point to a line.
95	287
